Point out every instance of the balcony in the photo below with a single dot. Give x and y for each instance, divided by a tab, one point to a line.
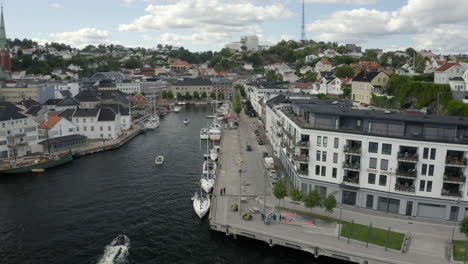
289	135
410	173
352	180
356	150
355	166
408	157
457	179
303	173
301	158
451	193
16	135
303	144
455	161
405	188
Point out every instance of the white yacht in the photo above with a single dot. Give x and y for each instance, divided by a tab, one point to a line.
214	154
159	160
215	131
177	109
152	123
204	133
209	166
186	121
207	183
201	204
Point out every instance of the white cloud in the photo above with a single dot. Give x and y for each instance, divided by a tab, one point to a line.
83	37
56	5
417	19
349	2
195	39
444	39
206	16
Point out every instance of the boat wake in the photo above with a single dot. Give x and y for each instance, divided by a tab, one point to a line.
117	251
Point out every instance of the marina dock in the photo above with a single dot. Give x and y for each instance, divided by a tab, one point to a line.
243	171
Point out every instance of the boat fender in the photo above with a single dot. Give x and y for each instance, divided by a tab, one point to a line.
316	252
270	242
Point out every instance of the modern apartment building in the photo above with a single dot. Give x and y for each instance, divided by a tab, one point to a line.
400	163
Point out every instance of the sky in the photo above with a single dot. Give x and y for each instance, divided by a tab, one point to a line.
199	25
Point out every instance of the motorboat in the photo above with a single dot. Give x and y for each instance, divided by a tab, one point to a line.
159	160
181	103
201	204
121	240
207	182
210	116
186	121
214	154
215	131
204	133
209	166
152	124
177	109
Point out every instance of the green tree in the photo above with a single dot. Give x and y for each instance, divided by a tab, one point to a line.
464	226
179	96
196	95
311	76
329	203
296	195
312	200
241	89
133	63
344	72
220	96
169	95
236	103
188	96
271	76
213	95
164	94
279	191
204	95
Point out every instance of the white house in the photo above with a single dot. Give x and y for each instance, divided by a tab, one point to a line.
305	69
448	71
310	58
56	127
324	65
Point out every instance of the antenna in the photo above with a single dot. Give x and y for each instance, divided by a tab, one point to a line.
303	35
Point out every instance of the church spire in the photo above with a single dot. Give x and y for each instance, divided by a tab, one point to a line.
3	39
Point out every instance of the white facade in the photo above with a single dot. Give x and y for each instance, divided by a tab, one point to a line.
395	175
60	129
443	77
129	87
92	128
18	137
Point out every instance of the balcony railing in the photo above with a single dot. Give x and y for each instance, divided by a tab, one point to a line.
301	158
352	149
456	161
405	188
413	173
304	173
16	135
451	193
279	134
354	180
405	156
352	165
454	178
303	144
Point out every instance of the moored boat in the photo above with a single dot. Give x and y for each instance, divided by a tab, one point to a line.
159	160
36	163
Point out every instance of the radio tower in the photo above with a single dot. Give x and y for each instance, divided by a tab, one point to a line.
303	35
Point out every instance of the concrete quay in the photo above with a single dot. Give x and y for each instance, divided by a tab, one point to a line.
242	171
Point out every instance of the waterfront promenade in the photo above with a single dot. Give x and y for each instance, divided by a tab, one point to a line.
428	243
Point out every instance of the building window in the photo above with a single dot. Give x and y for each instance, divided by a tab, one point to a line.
371	178
383	164
335	157
373	147
387	149
109	135
84	120
319	141
373	163
325	141
424	169
422	185
429	186
324	170
84	128
109	128
336	142
334	172
431	170
101	128
426	153
102	135
318	155
383	180
433	153
317	170
92	128
370	201
324	156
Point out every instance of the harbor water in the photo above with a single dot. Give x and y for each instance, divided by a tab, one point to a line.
71	214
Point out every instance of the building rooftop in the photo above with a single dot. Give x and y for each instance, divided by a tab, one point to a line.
51	122
365	76
193	82
86	112
106	114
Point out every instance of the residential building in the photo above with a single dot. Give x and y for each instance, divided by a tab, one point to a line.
448	71
222	85
433	64
247	43
129	87
397	163
56	126
259	92
305	69
366	84
180	66
17	94
369	66
324	65
192	85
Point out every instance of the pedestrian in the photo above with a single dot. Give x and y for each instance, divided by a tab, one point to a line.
221	191
224	190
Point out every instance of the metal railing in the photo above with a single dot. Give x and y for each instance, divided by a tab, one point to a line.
302	158
455	161
451	193
354	180
405	188
304	144
413	173
454	178
352	165
352	149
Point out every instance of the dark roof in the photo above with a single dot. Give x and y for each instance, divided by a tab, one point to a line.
326	74
193	82
86	112
68	101
10	106
68	114
52	101
33	110
116	108
365	76
62	140
86	96
8	113
457	79
27	103
66	93
106	114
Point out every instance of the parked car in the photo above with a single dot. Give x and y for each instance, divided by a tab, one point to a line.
248	148
260	142
265	154
273	174
259	138
257	133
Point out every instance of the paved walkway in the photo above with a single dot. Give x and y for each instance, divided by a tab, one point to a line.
429	238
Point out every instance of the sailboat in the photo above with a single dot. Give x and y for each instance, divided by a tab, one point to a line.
201	204
204	133
208	177
153	121
214	153
186	121
215	128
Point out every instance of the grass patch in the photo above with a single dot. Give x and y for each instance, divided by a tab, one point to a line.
458	250
378	236
309	214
